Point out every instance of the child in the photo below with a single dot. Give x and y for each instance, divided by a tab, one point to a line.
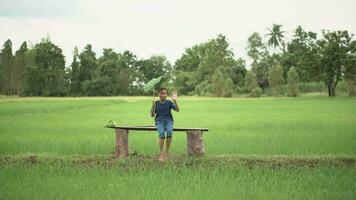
161	110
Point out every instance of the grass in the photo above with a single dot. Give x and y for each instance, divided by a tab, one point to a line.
267	148
268	126
148	179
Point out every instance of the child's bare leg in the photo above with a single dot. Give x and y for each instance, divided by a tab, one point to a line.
168	144
161	145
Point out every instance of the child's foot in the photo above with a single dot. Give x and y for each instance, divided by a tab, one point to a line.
167	155
161	158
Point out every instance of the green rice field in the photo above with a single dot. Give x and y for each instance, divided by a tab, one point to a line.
265	148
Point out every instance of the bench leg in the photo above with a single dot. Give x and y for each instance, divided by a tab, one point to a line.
122	143
195	144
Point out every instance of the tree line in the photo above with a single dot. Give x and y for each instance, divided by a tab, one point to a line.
279	67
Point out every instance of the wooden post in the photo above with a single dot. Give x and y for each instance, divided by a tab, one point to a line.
190	143
122	142
195	144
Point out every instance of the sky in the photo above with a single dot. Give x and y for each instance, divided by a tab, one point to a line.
163	27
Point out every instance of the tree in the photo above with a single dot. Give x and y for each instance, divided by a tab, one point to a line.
185	68
155	66
88	66
302	54
221	86
238	72
276	37
203	89
99	86
275	78
130	79
333	52
257	92
20	63
194	70
108	72
75	84
45	74
261	70
250	81
293	82
184	81
350	69
6	68
257	51
115	74
217	53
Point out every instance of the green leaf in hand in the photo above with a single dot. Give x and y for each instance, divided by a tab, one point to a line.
150	86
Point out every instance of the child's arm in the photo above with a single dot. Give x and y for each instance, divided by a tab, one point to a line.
174	98
153	109
177	107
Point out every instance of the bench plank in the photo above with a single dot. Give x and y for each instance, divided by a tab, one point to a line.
153	128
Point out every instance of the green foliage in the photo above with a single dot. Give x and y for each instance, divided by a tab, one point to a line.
88	67
203	89
350	69
155	66
194	71
45	71
275	78
129	81
110	124
100	86
75	84
184	81
261	60
302	54
250	81
238	72
6	68
256	49
276	36
257	92
20	61
293	82
221	86
150	85
333	53
351	87
40	70
311	87
261	70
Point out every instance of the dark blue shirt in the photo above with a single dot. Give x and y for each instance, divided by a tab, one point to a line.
163	110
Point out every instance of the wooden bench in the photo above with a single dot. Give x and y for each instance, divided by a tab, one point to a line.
195	144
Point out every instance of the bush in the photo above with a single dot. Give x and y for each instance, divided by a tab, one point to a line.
203	89
257	92
312	87
221	84
250	81
229	88
342	87
351	87
275	79
293	82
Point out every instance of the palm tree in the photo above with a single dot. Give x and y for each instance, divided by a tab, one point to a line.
276	36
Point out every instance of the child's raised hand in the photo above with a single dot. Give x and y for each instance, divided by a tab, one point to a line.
174	95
